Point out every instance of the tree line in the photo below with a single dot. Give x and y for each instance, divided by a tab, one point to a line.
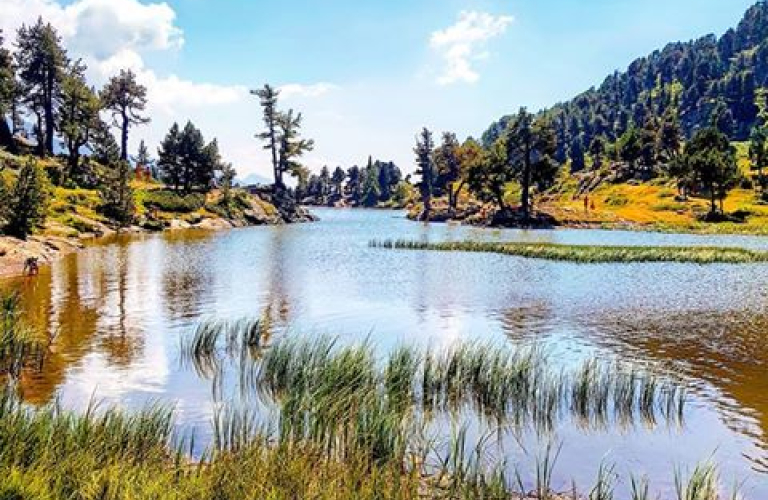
379	182
525	153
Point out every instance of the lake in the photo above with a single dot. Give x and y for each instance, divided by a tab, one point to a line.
120	311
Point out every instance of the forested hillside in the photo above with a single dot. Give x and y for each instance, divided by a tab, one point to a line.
721	81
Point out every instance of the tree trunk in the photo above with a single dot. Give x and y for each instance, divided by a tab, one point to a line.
124	138
526	186
49	117
427	213
6	137
273	146
456	194
499	195
713	199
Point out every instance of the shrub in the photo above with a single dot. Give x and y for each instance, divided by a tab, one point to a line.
168	201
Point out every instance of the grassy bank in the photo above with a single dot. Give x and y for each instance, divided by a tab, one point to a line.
590	254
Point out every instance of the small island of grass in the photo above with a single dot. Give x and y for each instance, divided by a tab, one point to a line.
590	254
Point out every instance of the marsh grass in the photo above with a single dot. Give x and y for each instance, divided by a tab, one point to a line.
346	429
585	254
19	347
323	389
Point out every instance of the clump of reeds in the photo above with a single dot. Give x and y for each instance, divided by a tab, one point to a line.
508	386
212	338
19	348
589	254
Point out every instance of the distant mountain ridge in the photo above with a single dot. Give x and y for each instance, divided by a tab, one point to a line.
253	179
723	78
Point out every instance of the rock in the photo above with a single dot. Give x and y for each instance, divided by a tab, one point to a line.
214	224
152	225
177	224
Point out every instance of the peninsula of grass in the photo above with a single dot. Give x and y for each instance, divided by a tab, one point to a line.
589	254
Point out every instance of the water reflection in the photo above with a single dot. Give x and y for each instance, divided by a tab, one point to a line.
118	314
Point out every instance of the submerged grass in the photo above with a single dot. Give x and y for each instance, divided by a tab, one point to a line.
588	254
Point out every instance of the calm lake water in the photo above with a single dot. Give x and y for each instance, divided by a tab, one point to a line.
120	312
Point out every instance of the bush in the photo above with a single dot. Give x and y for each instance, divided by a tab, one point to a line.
617	200
168	201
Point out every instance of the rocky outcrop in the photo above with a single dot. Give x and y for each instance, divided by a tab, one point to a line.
287	207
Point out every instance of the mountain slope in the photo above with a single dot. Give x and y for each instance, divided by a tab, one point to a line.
702	80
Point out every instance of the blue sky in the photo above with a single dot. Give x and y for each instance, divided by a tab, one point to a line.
367	75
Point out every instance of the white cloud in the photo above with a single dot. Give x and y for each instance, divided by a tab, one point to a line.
99	28
463	43
110	35
293	90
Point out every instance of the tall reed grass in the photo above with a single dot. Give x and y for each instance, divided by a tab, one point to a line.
589	254
346	429
320	387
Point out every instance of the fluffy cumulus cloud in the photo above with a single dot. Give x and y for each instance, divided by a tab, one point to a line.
99	29
111	35
464	43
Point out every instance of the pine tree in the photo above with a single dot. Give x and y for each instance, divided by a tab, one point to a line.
371	191
103	145
227	179
126	99
169	162
324	184
338	180
291	145
449	166
42	61
117	194
8	93
531	146
79	110
424	151
578	162
354	184
4	200
758	153
268	99
27	201
713	163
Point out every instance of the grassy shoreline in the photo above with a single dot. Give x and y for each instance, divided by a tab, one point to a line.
584	254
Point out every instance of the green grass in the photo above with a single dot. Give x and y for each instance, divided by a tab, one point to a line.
169	201
320	387
585	254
